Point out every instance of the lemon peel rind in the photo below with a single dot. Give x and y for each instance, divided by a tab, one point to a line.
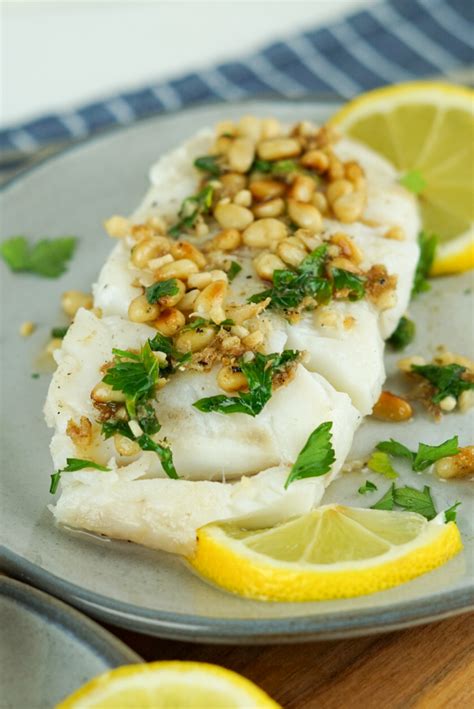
129	674
243	575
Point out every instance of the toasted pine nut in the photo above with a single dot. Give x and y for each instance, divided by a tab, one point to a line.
349	207
117	226
222	144
241	154
466	400
231	216
125	446
225	240
336	168
270	128
443	357
266	189
169	322
243	198
448	403
344	263
348	247
390	407
195	340
210	302
185	250
263	232
278	148
104	394
291	251
186	304
271	208
182	269
169	301
148	249
140	232
199	280
337	189
265	263
27	328
305	215
155	263
250	127
316	160
456	466
140	310
227	127
253	340
240	313
231	378
302	189
405	364
233	183
308	239
72	300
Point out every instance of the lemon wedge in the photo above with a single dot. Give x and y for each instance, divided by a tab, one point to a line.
426	128
331	552
169	685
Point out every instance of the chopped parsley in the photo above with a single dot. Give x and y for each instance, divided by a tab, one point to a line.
209	164
403	334
190	210
425	456
316	457
409	499
163	452
277	167
235	268
59	332
413	181
367	487
448	379
451	513
135	375
47	257
428	244
73	464
35	375
111	427
379	462
161	343
160	289
259	373
350	282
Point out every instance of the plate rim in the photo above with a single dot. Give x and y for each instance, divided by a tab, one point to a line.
194	628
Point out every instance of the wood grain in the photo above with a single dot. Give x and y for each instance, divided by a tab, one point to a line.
427	667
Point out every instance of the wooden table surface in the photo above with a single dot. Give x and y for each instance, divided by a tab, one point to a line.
428	667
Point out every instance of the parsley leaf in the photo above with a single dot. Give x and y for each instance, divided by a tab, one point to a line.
47	257
59	332
448	379
367	487
163	452
345	280
414	500
379	462
73	464
234	269
147	419
413	181
133	374
428	244
277	167
387	501
210	164
425	456
259	373
451	512
113	426
403	334
316	457
191	208
160	289
398	450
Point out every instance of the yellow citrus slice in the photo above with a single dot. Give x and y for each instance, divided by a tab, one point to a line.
169	685
427	127
331	552
454	256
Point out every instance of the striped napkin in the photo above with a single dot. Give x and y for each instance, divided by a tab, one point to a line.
396	40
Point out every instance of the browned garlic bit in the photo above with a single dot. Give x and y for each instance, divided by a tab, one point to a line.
80	433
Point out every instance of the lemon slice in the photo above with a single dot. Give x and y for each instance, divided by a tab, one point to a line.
427	127
454	256
169	685
331	552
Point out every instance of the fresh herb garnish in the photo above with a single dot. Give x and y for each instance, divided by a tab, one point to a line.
427	244
316	457
113	426
147	419
448	379
47	257
367	487
134	374
278	167
35	375
379	462
259	373
408	498
347	281
234	269
59	332
403	334
209	164
451	513
191	208
160	289
413	181
163	452
290	288
425	456
161	343
73	464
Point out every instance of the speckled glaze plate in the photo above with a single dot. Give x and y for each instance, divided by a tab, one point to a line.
132	586
48	649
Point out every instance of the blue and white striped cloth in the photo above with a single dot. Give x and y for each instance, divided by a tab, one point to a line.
396	40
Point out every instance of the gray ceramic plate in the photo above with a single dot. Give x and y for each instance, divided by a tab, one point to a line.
132	586
49	650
